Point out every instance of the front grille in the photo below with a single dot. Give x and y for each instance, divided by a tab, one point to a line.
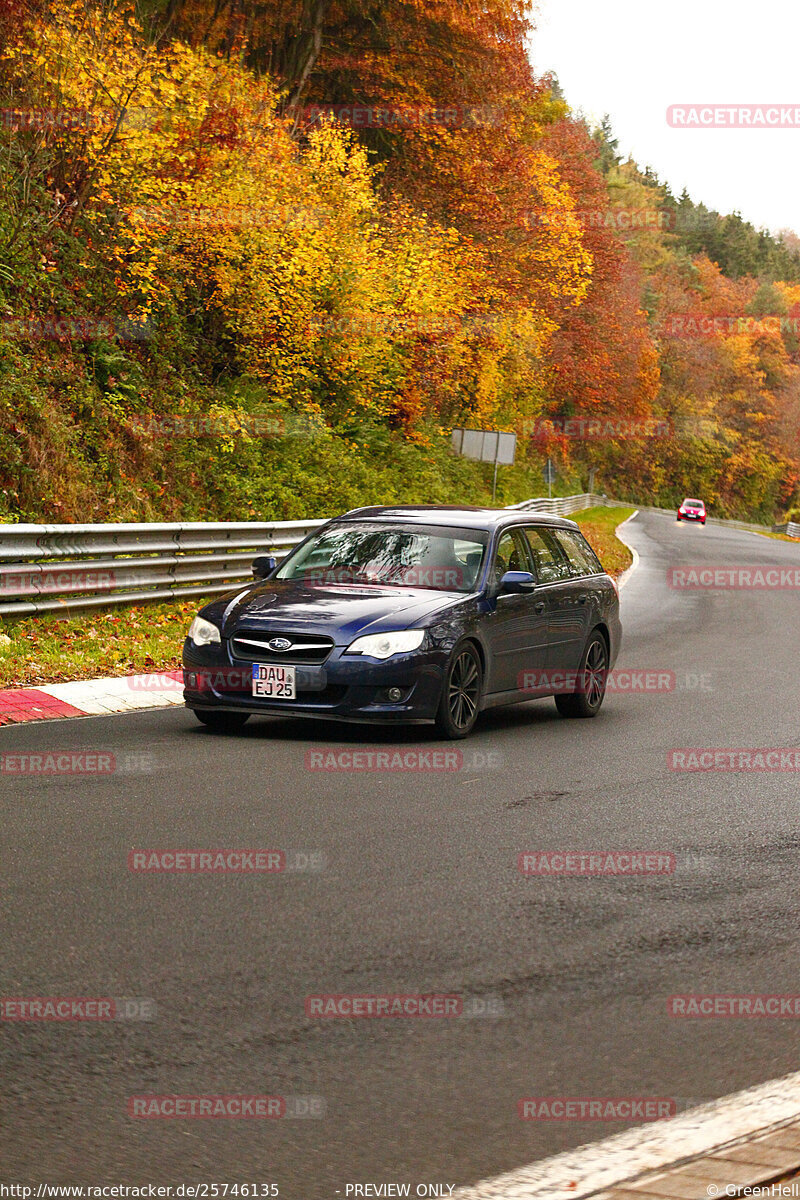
252	645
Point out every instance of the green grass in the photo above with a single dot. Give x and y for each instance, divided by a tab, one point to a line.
129	641
122	641
779	537
597	526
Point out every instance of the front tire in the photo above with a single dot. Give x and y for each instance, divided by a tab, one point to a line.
222	722
587	699
461	693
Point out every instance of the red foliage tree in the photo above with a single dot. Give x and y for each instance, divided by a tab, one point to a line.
604	361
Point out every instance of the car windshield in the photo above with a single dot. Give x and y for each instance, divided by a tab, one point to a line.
693	504
401	556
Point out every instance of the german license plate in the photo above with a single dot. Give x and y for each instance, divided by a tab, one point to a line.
272	682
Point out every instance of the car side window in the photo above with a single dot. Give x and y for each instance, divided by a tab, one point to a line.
509	556
549	562
580	554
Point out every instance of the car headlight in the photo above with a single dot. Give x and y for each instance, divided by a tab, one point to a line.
203	633
384	645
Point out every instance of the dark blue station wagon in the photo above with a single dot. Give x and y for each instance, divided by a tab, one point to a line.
410	614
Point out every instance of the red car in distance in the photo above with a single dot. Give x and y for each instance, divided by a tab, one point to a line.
692	510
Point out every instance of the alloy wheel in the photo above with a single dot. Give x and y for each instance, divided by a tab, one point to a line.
595	673
463	690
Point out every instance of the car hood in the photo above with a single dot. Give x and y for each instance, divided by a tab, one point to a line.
333	610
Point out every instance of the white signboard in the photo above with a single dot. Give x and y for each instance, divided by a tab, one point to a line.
487	445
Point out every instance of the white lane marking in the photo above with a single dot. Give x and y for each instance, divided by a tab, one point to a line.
598	1166
625	576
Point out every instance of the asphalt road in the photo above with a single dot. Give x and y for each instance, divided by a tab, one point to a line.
420	893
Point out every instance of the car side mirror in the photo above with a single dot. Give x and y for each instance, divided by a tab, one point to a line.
516	583
264	565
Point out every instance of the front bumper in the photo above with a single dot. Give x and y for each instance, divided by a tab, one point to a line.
345	687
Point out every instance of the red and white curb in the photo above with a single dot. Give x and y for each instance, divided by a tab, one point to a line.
610	1166
91	697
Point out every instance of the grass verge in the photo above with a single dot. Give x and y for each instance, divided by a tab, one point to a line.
597	526
123	641
779	537
130	641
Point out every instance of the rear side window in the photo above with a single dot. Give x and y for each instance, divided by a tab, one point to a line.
549	563
583	559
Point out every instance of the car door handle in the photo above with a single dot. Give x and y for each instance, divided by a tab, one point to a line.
539	608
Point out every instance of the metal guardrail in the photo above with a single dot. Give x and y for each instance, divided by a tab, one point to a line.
69	568
49	568
562	506
790	528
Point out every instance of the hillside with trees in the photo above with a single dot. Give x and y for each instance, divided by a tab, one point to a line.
258	257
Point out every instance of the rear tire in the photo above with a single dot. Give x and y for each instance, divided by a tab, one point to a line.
587	700
461	693
222	722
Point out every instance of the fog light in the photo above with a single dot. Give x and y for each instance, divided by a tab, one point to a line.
395	694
